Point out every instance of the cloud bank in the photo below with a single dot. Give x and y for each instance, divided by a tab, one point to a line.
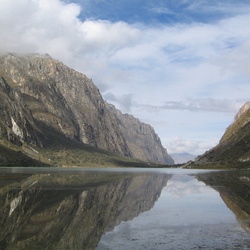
180	145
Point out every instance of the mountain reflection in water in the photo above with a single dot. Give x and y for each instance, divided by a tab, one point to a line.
234	189
71	210
123	209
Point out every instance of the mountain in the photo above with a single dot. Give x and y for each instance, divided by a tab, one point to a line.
47	106
233	149
180	158
143	142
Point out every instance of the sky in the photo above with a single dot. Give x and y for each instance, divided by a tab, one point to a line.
181	66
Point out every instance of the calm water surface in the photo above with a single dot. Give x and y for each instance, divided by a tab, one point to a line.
51	208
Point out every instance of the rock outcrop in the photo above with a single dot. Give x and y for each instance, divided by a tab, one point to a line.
38	92
241	119
234	146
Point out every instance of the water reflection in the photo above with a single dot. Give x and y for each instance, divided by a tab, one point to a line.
123	209
188	215
234	189
71	210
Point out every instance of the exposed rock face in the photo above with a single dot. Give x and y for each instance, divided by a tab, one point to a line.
16	123
38	90
234	146
141	138
242	110
241	119
72	211
65	100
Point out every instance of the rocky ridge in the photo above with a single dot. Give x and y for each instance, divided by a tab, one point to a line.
233	149
240	120
140	137
39	94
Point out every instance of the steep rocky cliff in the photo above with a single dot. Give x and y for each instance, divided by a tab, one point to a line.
241	119
234	147
40	94
141	138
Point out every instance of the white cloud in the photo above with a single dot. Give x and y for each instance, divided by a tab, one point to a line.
161	10
179	187
215	7
181	145
107	35
124	101
42	26
197	104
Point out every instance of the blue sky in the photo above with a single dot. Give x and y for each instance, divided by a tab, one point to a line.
159	11
181	66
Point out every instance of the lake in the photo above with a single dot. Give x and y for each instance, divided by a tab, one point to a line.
79	208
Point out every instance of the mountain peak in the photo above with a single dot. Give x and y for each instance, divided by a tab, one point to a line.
242	110
241	119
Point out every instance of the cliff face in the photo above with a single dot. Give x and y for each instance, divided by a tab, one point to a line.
63	99
38	91
241	119
234	146
141	138
16	123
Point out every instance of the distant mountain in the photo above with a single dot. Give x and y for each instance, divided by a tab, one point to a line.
180	158
233	149
47	107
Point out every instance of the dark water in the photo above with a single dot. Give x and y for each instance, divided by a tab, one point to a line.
124	209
